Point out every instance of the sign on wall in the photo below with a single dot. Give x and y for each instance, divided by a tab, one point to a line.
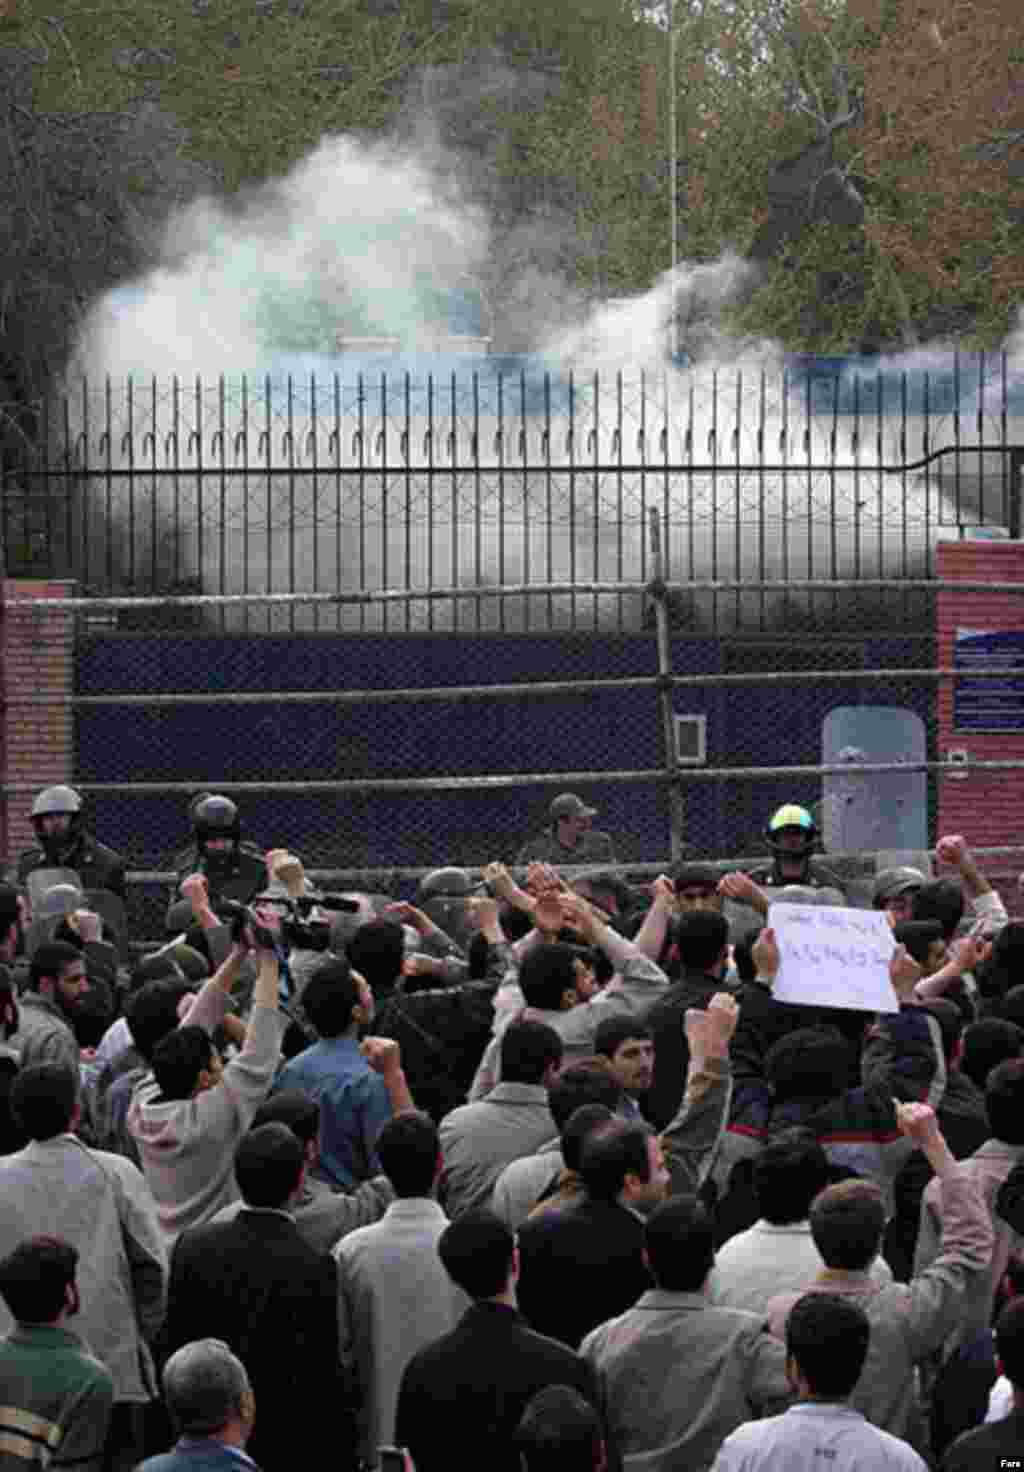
995	701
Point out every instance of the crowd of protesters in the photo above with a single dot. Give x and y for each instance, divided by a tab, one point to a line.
534	1170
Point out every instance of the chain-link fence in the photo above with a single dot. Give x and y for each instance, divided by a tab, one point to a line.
376	756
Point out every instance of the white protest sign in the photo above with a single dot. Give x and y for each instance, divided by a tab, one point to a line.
833	957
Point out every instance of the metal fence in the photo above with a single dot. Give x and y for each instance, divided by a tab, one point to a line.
516	480
377	756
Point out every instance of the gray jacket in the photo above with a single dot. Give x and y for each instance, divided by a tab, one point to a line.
679	1375
479	1140
44	1034
909	1321
102	1206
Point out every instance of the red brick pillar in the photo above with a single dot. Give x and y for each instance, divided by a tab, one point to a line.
987	807
36	741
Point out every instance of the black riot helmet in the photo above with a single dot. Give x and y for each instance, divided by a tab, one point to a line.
214	816
54	802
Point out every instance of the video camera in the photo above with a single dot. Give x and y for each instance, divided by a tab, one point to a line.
298	929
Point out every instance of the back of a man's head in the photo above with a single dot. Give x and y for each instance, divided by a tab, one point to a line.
35	1277
377	951
809	1063
477	1250
409	1150
330	996
206	1388
152	1012
1009	1332
528	1051
44	1098
700	938
941	900
580	1083
268	1165
679	1243
987	1043
1004	1102
828	1338
547	973
49	960
951	1025
610	1153
179	1059
789	1172
847	1222
578	1128
293	1108
560	1432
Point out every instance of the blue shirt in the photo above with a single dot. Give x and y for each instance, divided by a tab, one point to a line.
354	1107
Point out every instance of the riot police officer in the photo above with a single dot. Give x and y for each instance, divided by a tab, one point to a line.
233	869
792	836
64	843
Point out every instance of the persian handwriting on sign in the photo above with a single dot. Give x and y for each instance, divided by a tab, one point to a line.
833	957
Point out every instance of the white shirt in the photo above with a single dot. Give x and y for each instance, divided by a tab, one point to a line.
815	1437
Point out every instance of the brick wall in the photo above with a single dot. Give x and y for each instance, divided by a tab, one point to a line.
987	807
36	741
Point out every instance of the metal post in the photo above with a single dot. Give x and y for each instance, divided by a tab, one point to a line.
1015	517
673	167
658	590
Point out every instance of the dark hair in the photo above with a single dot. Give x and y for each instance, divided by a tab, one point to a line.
941	900
329	997
918	936
158	967
951	1023
679	1238
986	1044
293	1108
743	956
476	1250
153	1012
43	1099
847	1222
377	951
614	1031
582	1083
1003	971
10	910
610	1153
528	1049
808	1063
49	960
179	1059
409	1151
700	938
559	1432
1009	1332
828	1336
789	1172
577	1129
546	972
1004	1102
34	1278
1011	1006
267	1165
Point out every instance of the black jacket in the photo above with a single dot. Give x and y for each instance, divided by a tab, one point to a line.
464	1395
671	1050
257	1284
580	1266
97	866
244	876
